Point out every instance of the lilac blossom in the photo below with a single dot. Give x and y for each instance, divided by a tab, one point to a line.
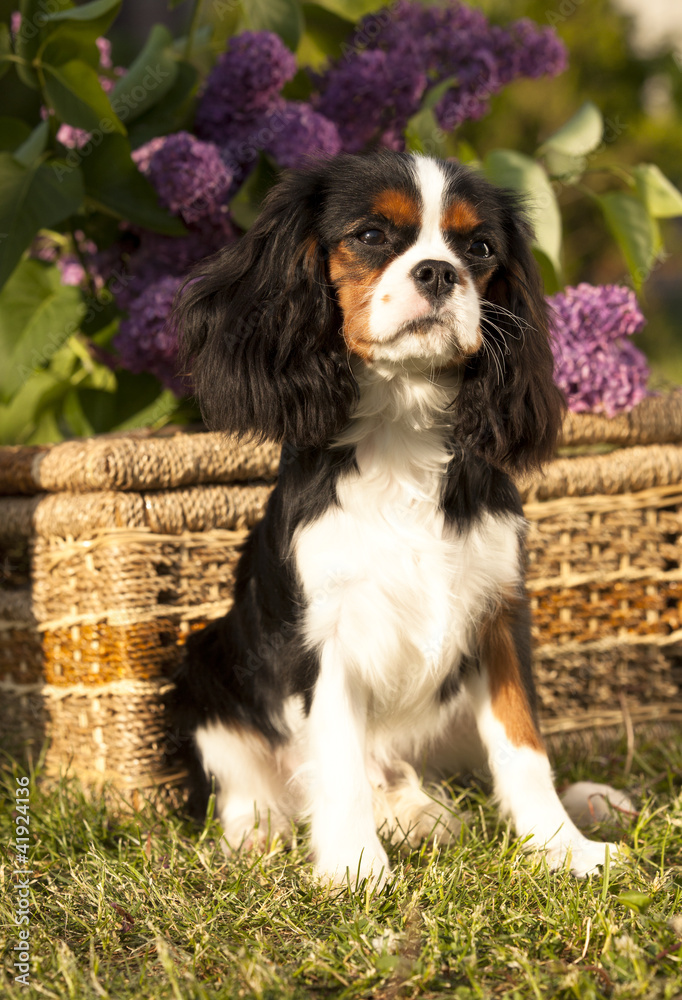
243	87
374	93
140	258
145	342
305	133
598	368
395	55
189	175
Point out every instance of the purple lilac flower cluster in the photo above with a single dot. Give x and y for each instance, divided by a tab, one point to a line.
397	53
242	111
190	177
599	369
145	342
192	182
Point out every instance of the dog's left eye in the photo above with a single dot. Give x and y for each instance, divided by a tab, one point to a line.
372	237
480	249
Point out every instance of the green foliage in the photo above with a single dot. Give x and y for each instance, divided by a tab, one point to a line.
33	197
74	93
284	17
114	184
525	175
565	158
635	231
37	314
154	71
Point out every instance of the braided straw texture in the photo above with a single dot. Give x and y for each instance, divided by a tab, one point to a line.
143	461
132	543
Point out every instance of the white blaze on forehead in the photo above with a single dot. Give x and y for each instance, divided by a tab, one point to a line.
396	298
431	183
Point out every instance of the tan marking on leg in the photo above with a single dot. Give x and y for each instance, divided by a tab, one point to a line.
507	693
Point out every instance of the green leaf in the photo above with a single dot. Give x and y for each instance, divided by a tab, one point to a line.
580	135
283	17
423	134
74	91
37	315
323	39
114	184
550	278
34	146
35	28
246	204
5	48
510	169
72	41
568	169
434	94
172	112
137	401
19	418
637	901
33	198
13	132
353	10
661	197
467	154
94	11
635	231
76	30
149	78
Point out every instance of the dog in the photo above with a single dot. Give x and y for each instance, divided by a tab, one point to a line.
385	320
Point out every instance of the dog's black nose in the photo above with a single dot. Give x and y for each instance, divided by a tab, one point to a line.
434	278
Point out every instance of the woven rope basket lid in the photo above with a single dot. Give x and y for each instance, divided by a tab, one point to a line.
118	546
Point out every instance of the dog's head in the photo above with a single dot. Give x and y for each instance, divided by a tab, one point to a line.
394	261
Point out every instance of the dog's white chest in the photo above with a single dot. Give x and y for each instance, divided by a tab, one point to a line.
398	591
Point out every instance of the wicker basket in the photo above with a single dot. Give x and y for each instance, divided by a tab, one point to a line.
113	549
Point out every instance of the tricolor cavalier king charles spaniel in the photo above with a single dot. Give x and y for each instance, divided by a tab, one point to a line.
385	320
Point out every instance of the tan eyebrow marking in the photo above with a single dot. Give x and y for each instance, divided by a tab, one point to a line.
398	207
461	216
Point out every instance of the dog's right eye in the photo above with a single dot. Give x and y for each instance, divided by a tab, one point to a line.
372	237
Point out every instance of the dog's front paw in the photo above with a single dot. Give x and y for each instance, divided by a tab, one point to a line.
353	867
584	856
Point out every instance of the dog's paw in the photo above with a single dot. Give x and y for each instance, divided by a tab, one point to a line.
583	856
408	814
354	867
240	834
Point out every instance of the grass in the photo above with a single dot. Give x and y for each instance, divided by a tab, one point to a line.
145	905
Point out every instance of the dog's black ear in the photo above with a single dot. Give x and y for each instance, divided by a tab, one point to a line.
259	326
509	408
